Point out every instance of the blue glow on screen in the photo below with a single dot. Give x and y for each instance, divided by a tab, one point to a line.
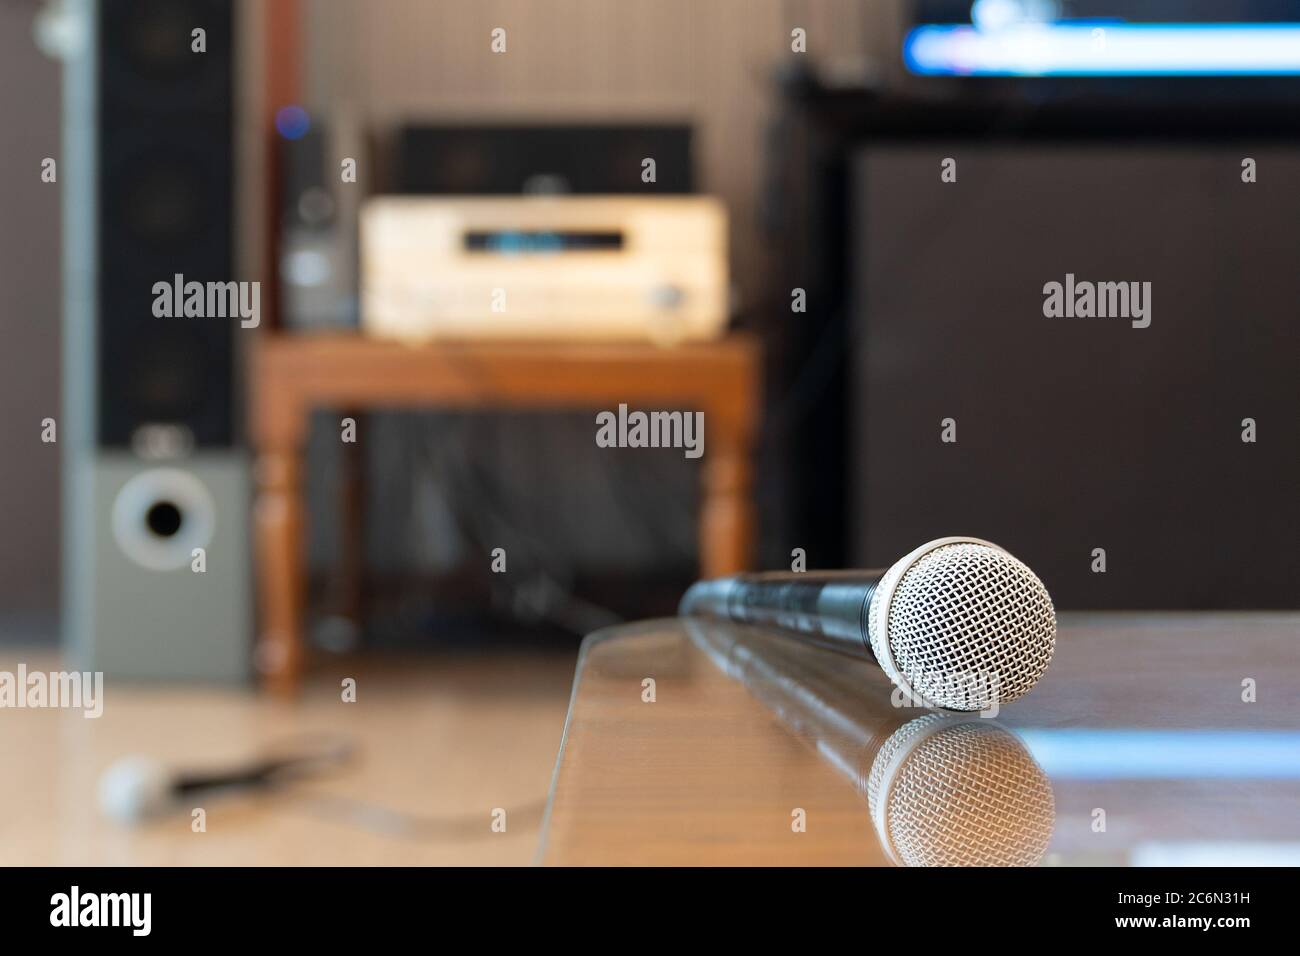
1104	48
517	243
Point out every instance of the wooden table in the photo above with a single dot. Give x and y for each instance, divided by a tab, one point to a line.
1139	746
292	375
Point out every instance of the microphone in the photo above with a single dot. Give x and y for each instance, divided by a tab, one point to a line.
958	624
138	788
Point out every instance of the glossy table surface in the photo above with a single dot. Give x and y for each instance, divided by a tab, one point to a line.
1170	738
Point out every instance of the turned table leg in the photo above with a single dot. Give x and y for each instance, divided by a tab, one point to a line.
278	527
726	507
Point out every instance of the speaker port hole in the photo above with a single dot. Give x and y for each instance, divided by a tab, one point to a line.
163	519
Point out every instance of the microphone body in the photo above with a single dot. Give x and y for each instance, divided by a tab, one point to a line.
828	607
957	624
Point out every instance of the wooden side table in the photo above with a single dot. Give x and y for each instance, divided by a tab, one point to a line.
293	374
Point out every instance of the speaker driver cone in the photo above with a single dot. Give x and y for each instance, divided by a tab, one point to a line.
160	516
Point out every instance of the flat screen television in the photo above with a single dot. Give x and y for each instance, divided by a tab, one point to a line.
1098	38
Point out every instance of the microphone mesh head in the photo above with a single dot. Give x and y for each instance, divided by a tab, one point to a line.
969	625
967	794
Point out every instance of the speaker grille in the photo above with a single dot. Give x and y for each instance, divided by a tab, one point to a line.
165	182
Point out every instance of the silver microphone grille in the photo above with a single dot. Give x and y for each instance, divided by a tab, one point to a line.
960	794
968	625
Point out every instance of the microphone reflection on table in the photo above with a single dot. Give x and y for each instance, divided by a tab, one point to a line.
942	790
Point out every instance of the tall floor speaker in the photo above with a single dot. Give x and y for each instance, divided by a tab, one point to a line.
155	542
